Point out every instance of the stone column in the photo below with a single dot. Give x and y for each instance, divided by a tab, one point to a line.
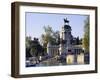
49	48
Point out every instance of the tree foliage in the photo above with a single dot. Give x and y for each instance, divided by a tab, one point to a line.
36	48
28	42
49	36
28	46
33	48
86	35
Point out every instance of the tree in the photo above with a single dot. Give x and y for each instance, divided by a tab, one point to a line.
28	42
33	48
56	37
86	35
28	46
36	49
49	36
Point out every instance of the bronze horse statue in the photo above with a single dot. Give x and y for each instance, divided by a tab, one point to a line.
66	21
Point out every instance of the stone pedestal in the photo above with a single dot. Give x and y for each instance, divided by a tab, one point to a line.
70	59
80	59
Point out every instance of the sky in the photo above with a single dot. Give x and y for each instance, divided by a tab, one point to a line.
36	21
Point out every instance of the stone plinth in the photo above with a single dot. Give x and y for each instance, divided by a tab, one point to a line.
70	59
80	58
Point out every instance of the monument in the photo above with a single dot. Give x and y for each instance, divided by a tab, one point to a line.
65	37
67	42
